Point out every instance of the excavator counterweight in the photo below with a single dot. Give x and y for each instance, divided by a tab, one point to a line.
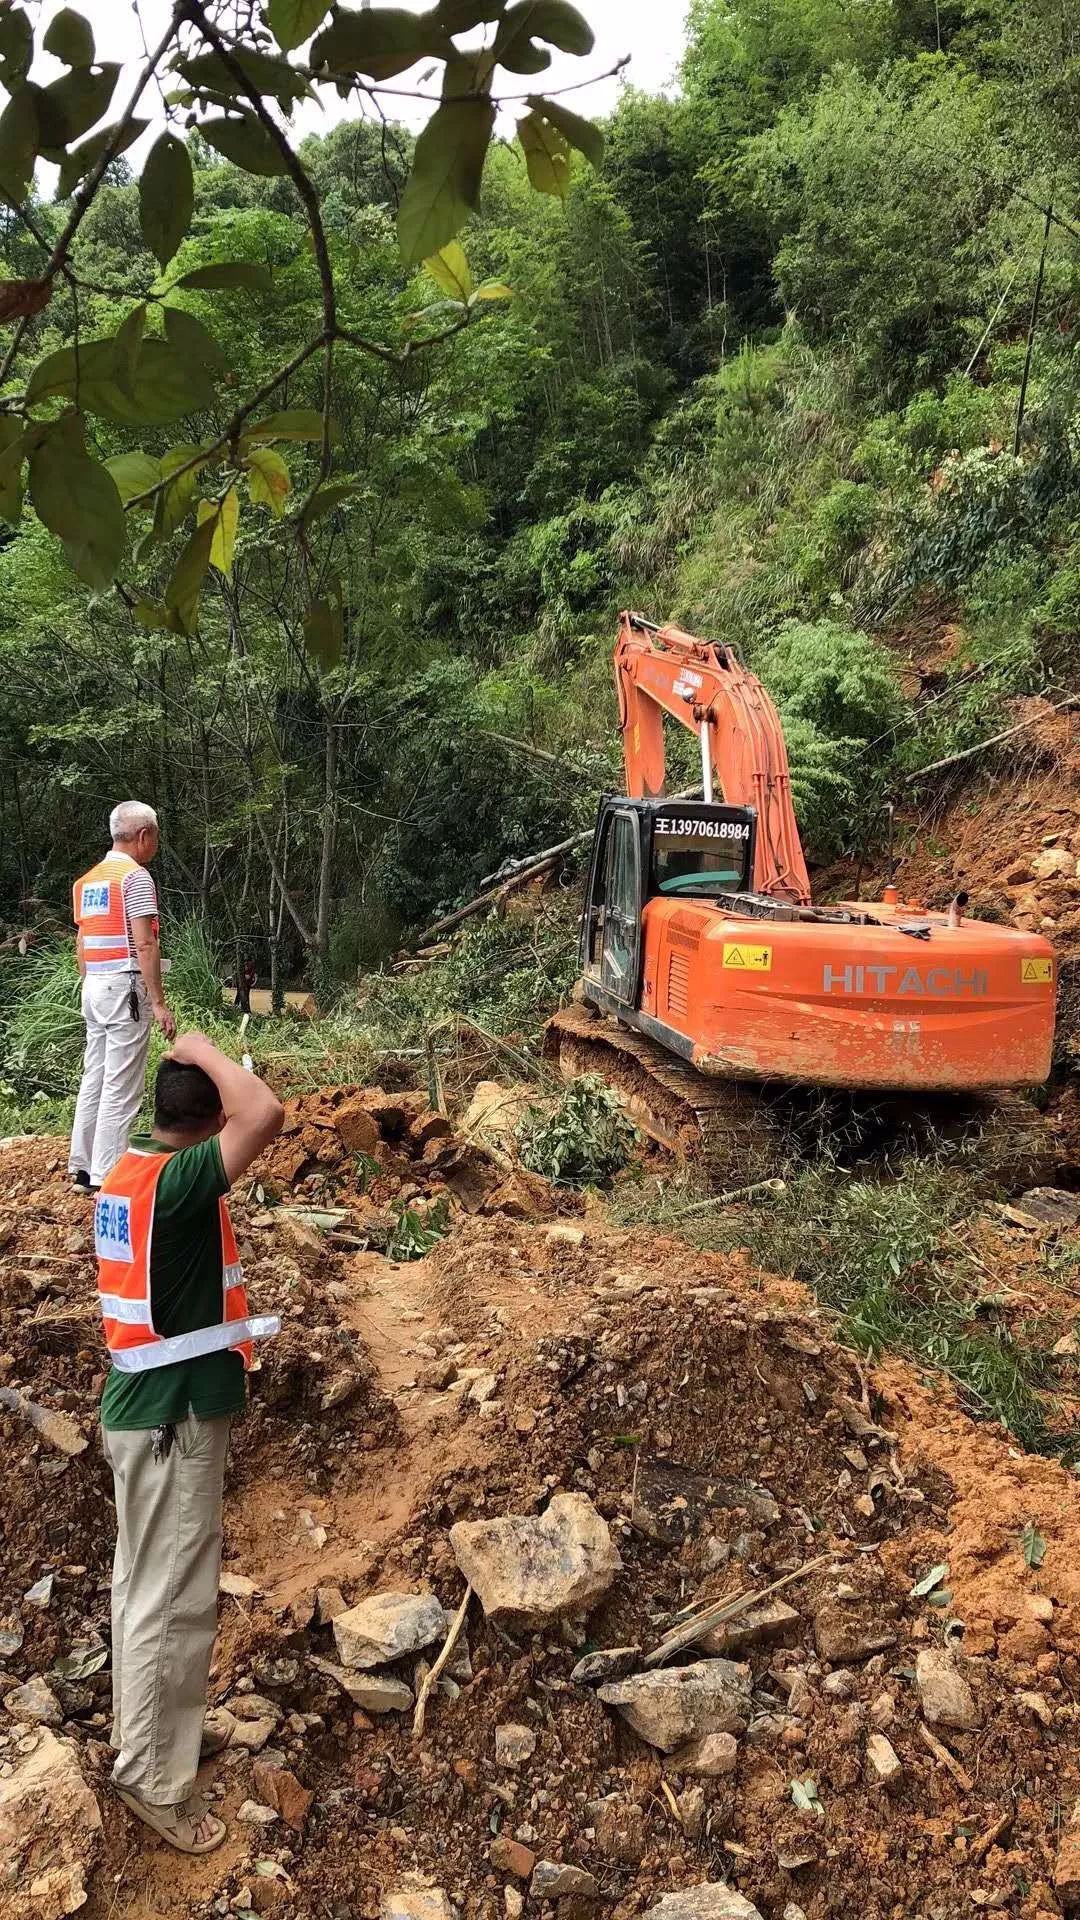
703	960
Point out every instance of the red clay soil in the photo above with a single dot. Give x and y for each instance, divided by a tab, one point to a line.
622	1362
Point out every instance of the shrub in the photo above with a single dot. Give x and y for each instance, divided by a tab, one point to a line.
841	681
583	1141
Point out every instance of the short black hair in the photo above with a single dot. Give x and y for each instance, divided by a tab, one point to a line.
185	1098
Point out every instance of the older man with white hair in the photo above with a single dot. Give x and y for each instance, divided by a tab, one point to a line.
116	913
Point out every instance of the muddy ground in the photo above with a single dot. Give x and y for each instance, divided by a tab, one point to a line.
726	1441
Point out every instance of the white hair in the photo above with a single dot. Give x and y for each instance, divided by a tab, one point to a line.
127	820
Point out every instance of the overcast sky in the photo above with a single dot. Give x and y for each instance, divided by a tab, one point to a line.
649	31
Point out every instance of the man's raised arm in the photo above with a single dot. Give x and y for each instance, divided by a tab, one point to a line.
253	1114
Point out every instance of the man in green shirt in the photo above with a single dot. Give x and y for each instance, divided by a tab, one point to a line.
169	1281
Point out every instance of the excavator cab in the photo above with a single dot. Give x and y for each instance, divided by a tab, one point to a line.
646	849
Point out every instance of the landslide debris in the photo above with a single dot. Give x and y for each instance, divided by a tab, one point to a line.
664	1435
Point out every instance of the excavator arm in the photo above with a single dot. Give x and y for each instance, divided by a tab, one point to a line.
705	688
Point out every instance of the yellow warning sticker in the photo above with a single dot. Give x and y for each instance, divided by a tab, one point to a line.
1032	972
748	959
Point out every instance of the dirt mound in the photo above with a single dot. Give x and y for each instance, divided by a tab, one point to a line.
725	1442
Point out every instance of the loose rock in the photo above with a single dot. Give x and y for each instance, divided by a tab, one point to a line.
374	1692
761	1626
416	1903
511	1856
533	1567
50	1832
668	1708
714	1755
944	1694
282	1790
609	1663
552	1880
386	1627
842	1633
709	1901
35	1701
253	1814
514	1745
883	1768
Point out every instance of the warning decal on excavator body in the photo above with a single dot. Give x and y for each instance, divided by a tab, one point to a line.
747	959
1032	972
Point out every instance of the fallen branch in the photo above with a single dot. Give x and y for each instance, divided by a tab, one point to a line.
488	898
431	1679
58	1429
1000	1827
947	1759
525	869
734	1193
952	758
719	1615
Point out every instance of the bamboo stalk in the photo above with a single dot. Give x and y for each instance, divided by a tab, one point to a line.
717	1616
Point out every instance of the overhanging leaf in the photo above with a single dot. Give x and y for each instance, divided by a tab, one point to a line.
294	21
451	271
166	197
577	131
192	340
72	105
1033	1544
329	497
266	72
269	482
324	633
299	423
18	146
229	273
70	38
59	374
444	184
16	47
186	581
246	143
77	499
134	473
176	498
930	1580
380	44
82	159
492	290
224	514
12	456
547	155
553	20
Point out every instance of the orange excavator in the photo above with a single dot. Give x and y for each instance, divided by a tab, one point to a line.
706	967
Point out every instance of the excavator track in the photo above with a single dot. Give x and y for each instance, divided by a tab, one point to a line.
740	1132
725	1124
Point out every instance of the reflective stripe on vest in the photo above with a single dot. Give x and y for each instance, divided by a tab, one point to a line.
123	1233
101	917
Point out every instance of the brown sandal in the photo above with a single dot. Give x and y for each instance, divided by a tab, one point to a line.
176	1825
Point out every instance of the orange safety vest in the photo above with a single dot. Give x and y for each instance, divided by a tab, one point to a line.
123	1229
101	917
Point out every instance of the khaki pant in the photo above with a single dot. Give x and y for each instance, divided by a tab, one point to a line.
114	1073
164	1602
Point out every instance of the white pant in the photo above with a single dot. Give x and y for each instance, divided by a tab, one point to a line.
114	1073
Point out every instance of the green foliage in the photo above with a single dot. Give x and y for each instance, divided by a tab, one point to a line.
417	1234
583	1141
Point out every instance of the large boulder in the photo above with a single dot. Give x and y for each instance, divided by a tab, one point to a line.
710	1901
675	1705
386	1627
50	1834
532	1568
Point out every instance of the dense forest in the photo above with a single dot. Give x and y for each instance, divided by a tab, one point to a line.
793	363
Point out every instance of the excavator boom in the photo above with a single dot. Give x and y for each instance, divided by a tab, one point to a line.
705	687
